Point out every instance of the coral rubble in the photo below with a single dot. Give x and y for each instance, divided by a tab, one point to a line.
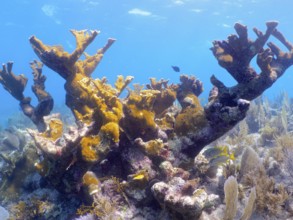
137	153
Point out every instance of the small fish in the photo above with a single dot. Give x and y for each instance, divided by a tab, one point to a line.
212	152
218	151
139	177
176	68
219	160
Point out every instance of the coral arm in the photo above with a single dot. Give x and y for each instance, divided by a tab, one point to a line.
83	39
39	80
236	53
122	83
90	63
45	100
228	105
272	61
283	60
15	85
57	59
53	57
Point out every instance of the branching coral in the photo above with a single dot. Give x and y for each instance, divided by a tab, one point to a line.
228	105
15	85
133	138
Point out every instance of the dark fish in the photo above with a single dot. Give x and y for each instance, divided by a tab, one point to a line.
176	68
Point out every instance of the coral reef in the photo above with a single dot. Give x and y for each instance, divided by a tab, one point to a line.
131	157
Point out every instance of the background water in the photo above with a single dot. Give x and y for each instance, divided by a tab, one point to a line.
151	36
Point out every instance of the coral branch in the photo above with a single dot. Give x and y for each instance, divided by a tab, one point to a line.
15	85
90	63
235	54
62	62
228	105
83	39
122	83
45	101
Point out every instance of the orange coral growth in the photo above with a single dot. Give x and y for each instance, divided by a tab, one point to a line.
89	178
192	115
189	119
122	83
139	117
165	98
55	130
152	147
222	55
166	123
64	63
90	100
89	148
111	131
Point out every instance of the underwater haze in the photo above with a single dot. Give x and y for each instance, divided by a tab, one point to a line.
152	36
